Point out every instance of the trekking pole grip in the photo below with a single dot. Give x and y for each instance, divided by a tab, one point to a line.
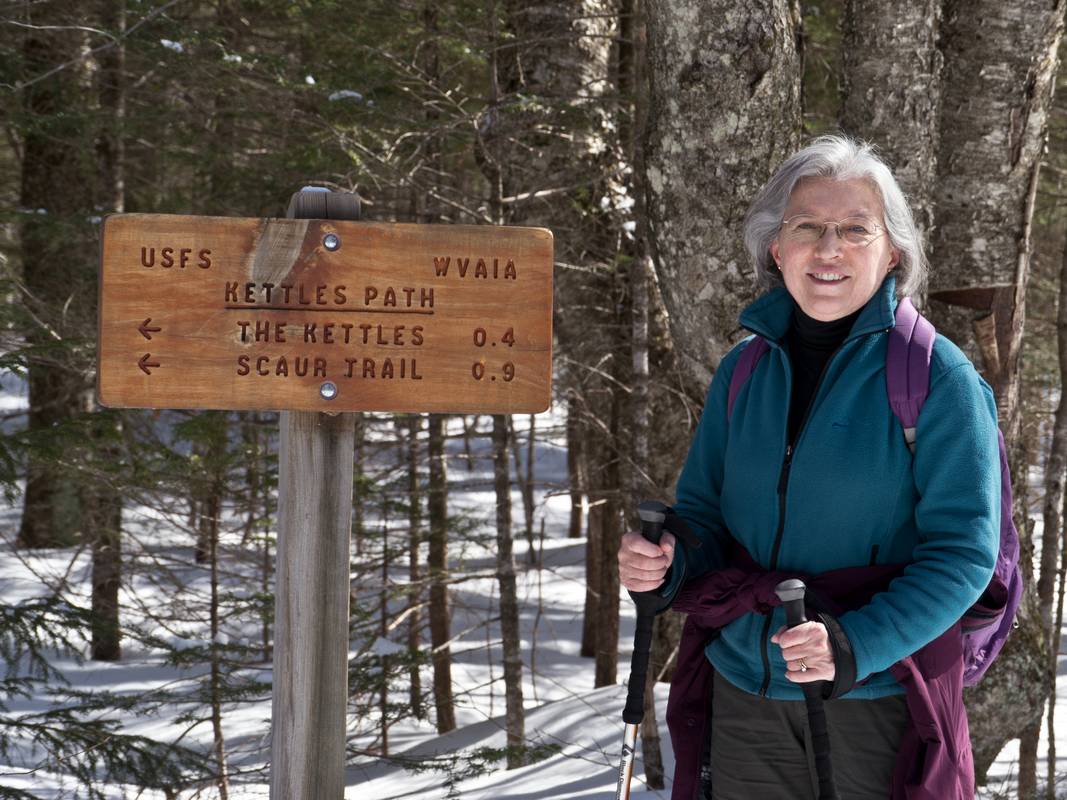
652	514
791	593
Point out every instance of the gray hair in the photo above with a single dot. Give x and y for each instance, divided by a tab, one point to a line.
840	158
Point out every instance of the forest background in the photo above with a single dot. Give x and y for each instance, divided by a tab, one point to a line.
638	131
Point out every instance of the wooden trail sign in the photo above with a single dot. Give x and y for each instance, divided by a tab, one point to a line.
324	315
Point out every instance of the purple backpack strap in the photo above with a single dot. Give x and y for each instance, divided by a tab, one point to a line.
907	366
746	363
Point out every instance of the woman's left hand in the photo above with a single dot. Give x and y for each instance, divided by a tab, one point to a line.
806	645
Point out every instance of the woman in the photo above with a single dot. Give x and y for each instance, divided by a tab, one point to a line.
811	473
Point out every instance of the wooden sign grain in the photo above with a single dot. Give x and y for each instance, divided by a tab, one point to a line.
324	315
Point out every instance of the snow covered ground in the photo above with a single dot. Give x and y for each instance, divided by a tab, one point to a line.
563	709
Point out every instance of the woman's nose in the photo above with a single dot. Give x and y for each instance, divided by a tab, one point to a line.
829	244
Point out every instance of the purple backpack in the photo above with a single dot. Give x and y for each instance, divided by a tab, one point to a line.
986	624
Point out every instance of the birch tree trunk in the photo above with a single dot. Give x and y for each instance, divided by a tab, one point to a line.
724	111
891	90
1000	60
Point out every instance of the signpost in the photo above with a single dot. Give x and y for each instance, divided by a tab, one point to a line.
321	314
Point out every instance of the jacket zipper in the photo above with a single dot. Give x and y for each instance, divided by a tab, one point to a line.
783	480
783	485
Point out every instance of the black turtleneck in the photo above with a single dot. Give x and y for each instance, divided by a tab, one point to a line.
810	343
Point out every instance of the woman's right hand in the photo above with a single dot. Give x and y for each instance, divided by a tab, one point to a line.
642	564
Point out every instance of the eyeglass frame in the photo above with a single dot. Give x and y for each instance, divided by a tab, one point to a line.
880	229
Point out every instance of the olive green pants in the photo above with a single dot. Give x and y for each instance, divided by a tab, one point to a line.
761	749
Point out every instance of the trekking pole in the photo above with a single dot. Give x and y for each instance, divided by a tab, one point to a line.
652	514
791	593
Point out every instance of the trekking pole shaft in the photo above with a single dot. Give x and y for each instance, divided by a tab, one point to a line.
792	596
626	766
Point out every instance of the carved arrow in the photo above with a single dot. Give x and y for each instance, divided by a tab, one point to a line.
144	363
146	331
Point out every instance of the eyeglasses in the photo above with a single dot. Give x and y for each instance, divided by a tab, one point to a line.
805	229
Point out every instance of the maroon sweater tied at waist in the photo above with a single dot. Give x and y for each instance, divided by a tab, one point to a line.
934	761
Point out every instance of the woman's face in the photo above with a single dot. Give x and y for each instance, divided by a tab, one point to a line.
830	276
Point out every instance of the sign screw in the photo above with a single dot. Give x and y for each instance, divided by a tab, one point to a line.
331	241
328	390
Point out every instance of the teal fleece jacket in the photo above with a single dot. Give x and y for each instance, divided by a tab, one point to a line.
849	494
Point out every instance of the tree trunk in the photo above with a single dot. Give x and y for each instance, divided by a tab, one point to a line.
594	528
203	454
1000	60
254	479
891	90
509	605
358	490
633	120
383	632
1052	778
212	510
101	498
575	477
414	425
607	648
724	111
103	507
266	571
437	511
528	485
1051	536
470	429
58	255
524	477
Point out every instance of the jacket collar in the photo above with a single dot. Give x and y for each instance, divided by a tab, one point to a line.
771	315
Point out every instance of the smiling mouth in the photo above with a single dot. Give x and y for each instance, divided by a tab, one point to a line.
827	277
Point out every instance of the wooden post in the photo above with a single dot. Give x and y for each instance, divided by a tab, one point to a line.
311	595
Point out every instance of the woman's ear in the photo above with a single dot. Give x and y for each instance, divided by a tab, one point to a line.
774	252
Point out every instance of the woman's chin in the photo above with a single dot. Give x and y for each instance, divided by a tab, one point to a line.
826	309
